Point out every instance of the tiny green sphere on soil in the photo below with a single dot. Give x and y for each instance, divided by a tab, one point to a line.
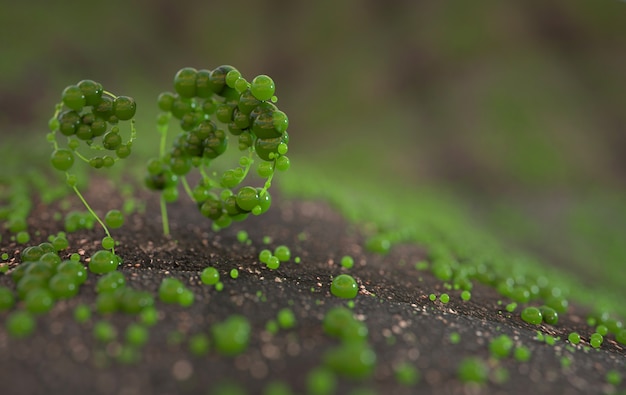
103	261
231	336
110	282
136	335
282	253
445	298
265	255
82	313
351	359
549	315
234	273
406	374
210	276
574	338
532	315
466	295
104	331
344	286
114	219
39	301
522	354
273	262
473	370
347	262
186	298
170	290
20	324
199	344
7	300
74	269
501	346
63	286
286	318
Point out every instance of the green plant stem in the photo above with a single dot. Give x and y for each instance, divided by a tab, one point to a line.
187	188
164	219
82	199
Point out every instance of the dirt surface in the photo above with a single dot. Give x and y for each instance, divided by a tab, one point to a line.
404	325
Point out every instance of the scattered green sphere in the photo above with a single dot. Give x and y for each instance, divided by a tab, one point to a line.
473	370
265	255
62	159
286	318
136	335
103	261
344	286
170	290
445	298
74	269
210	276
501	346
20	324
262	87
532	315
22	237
347	262
63	286
124	107
114	219
351	359
321	381
104	331
110	282
522	354
282	253
466	295
82	313
231	336
574	338
234	273
549	315
406	374
186	298
74	98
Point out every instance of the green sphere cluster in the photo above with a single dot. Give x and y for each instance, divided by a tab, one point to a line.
90	114
212	107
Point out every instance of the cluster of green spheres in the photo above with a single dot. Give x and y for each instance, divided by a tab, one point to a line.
211	107
88	113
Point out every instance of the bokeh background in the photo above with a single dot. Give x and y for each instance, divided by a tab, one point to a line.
517	109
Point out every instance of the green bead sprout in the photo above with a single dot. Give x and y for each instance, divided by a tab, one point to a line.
213	107
91	115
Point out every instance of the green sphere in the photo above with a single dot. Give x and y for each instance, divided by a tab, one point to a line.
185	82
74	269
532	315
111	282
262	87
210	276
344	286
549	315
247	198
231	336
170	290
39	301
62	159
74	98
103	261
63	286
20	324
352	359
114	219
124	107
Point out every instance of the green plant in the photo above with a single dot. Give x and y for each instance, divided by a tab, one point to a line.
91	115
206	102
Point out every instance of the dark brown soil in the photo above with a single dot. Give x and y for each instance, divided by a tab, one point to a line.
404	325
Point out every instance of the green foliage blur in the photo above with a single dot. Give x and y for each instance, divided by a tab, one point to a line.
515	107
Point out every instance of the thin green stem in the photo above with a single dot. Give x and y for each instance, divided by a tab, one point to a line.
187	188
93	213
164	219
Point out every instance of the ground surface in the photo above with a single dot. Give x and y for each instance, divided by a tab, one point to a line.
404	325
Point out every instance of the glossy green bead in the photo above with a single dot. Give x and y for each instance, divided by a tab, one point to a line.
74	98
265	201
532	315
283	253
247	102
185	82
210	276
7	300
110	282
217	79
339	322
136	335
31	254
186	298
262	87
265	255
149	316
231	336
273	263
501	346
82	313
103	261
574	338
351	359
111	141
124	108
74	269
170	290
20	324
28	284
549	315
165	101
39	301
344	286
104	109
132	301
52	259
62	159
114	219
63	286
92	91
247	198
104	331
263	125
203	84
68	121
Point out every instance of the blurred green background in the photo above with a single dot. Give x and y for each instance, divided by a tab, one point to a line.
517	109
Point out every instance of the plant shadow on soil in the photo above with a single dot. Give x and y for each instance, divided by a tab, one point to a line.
404	325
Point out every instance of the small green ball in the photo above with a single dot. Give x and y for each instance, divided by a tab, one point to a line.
347	262
92	91
107	302
247	198
320	381
104	331
282	253
522	354
74	98
185	82
74	269
286	319
262	87
199	344
39	301
532	315
444	298
549	315
20	324
114	219
273	263
62	159
149	316
136	335
231	336
265	255
574	338
473	370
103	261
344	286
82	313
234	273
466	295
110	282
31	254
501	346
352	359
107	242
124	107
63	286
210	276
170	290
